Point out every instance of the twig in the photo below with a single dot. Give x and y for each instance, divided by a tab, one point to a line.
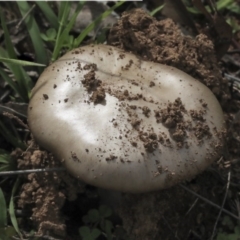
189	210
7	109
195	234
170	228
237	206
40	170
229	58
233	51
232	78
25	16
224	200
12	116
209	202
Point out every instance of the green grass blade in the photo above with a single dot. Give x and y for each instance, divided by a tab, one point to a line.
34	32
21	62
3	210
19	73
7	162
7	38
22	78
91	26
3	168
223	4
2	151
156	10
62	17
17	89
65	33
4	157
235	8
193	10
12	210
49	14
11	83
63	13
10	137
24	82
11	54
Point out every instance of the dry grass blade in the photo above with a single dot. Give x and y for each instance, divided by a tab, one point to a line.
209	202
9	109
224	200
18	120
40	170
3	210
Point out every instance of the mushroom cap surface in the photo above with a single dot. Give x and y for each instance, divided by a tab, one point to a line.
121	123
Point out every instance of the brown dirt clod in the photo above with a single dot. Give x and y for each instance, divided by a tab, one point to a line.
45	193
163	42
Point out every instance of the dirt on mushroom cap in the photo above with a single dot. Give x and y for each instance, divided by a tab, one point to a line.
163	42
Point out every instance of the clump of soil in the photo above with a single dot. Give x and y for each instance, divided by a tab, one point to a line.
93	85
172	118
163	42
44	194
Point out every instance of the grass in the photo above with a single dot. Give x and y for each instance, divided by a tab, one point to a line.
6	161
21	84
5	231
221	5
11	208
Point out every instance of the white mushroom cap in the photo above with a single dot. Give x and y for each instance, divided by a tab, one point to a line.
121	123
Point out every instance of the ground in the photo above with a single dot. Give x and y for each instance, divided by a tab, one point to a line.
168	214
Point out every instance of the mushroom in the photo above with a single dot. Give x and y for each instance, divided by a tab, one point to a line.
120	123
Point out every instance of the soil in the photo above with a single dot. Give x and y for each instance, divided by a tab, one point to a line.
172	213
93	85
163	42
44	194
